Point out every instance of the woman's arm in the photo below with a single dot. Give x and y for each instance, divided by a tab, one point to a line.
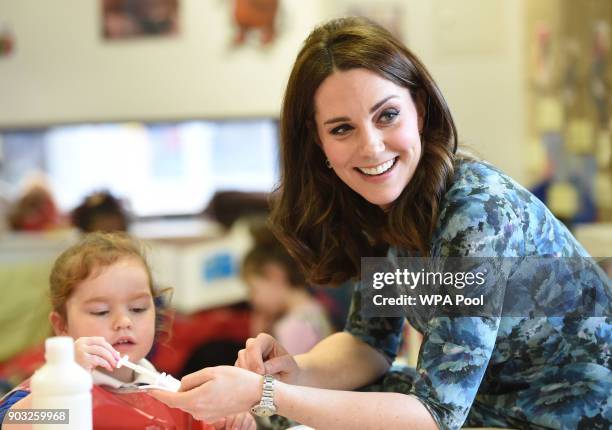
342	362
338	410
212	393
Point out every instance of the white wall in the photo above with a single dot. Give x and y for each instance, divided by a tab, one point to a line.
63	71
474	49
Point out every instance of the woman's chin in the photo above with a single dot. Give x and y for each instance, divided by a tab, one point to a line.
383	201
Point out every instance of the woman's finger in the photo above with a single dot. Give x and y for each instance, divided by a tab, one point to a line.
229	422
282	364
251	424
254	355
219	424
247	420
196	379
241	361
174	400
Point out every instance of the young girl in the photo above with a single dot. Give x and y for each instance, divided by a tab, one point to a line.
281	303
102	295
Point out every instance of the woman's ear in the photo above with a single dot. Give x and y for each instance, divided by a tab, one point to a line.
58	323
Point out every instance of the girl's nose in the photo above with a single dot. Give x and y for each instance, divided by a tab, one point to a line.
122	322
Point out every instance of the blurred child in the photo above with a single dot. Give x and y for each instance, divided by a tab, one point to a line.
35	210
102	295
281	302
100	211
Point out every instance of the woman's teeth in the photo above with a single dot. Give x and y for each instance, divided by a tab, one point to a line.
377	170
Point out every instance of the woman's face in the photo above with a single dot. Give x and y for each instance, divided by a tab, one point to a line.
369	131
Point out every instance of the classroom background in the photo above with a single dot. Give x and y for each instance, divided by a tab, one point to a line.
163	116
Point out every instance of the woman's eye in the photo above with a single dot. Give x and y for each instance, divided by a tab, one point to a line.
389	115
341	129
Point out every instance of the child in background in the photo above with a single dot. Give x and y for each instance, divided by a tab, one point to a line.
281	302
102	295
100	211
35	210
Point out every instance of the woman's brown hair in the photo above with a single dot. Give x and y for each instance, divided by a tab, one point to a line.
324	224
86	258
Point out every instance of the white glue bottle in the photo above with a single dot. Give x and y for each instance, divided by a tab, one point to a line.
62	384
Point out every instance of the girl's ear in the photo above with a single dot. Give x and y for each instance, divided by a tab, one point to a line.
58	323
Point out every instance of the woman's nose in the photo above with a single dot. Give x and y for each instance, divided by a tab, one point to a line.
371	143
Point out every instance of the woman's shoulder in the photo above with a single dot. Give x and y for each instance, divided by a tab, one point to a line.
482	181
484	205
481	209
479	192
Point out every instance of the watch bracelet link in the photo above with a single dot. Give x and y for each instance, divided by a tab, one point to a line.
267	393
266	406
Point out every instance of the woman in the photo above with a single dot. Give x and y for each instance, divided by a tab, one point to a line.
370	168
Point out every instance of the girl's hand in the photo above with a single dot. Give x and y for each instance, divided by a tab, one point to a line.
265	355
215	392
92	352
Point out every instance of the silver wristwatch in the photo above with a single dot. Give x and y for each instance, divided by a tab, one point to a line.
266	406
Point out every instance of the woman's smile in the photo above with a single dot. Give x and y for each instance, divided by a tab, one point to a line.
369	131
379	169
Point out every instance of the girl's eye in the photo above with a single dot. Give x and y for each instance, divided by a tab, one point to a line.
139	310
388	115
341	129
99	313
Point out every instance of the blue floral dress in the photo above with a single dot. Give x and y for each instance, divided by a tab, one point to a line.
549	372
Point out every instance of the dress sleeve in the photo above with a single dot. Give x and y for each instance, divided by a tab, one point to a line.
9	400
456	350
381	333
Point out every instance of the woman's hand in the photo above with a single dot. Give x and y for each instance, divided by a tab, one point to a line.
215	392
242	421
92	352
265	355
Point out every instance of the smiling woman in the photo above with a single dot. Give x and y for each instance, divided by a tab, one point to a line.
369	130
370	168
374	103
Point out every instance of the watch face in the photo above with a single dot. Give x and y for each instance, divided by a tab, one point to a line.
263	411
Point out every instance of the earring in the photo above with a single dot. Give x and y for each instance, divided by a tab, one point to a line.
328	164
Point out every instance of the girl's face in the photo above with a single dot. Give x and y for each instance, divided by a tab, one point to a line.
115	303
369	131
